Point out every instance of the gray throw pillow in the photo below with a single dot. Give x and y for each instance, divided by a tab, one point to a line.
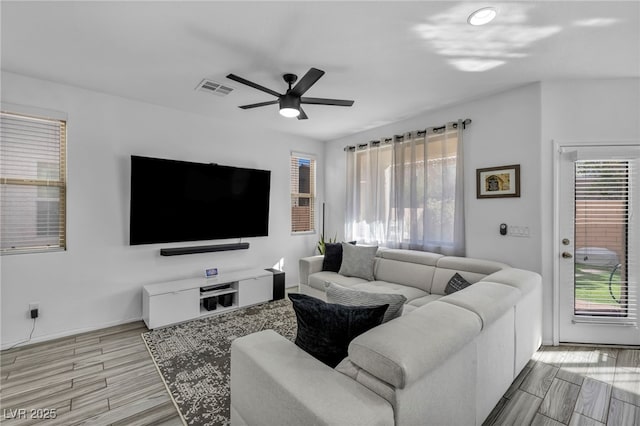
351	297
358	261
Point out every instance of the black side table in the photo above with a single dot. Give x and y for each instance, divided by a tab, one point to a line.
278	283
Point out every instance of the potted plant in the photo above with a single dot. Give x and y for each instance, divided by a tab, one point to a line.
322	242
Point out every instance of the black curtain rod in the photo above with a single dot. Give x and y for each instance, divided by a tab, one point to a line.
435	129
443	127
464	125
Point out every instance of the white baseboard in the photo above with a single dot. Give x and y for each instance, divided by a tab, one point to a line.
67	333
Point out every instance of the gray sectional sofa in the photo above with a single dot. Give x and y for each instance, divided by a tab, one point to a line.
446	361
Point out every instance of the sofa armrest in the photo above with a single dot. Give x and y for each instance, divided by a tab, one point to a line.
274	382
404	350
528	310
309	265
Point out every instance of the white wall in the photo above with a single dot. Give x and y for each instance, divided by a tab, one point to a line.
579	111
505	130
97	281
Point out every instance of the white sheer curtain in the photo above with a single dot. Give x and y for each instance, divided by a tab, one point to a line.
407	191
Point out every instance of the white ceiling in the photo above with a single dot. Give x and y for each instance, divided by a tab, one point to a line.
395	59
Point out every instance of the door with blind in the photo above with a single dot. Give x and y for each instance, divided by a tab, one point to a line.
599	247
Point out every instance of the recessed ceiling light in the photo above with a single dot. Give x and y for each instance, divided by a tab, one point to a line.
482	16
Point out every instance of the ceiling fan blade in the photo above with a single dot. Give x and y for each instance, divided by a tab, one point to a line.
302	115
259	104
252	84
307	81
323	101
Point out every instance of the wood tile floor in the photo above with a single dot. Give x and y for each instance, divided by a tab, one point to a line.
574	385
107	377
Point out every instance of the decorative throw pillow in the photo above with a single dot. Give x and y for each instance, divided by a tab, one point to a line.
456	283
358	261
332	257
325	329
351	297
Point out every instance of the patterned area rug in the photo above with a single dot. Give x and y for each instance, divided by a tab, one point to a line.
194	357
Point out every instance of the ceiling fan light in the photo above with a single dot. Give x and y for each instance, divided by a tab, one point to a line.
482	16
289	112
290	106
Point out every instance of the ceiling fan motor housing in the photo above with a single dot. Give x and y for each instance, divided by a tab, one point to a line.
290	101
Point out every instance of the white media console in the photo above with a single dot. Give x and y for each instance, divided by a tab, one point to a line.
171	302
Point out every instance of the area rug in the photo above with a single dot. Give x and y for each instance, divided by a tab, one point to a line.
193	358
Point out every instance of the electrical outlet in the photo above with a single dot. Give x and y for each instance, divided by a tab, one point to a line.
32	306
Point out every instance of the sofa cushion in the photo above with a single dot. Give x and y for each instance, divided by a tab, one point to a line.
472	270
478	266
456	283
358	261
403	350
410	256
416	275
409	293
488	300
325	329
526	281
408	308
319	280
352	297
383	389
421	301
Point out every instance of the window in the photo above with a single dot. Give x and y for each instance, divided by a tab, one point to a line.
32	184
303	193
406	191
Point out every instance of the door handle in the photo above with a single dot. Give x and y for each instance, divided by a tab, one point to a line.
567	255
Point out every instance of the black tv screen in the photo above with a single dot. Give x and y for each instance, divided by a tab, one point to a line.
175	201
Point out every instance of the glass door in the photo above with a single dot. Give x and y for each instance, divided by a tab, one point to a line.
599	247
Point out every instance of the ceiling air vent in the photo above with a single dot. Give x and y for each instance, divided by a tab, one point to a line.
213	87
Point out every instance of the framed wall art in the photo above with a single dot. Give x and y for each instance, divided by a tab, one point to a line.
498	182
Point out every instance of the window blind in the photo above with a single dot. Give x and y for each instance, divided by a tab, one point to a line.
32	184
303	187
605	285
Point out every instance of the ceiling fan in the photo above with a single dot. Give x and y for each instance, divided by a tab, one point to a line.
291	100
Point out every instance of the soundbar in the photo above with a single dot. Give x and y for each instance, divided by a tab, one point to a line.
202	249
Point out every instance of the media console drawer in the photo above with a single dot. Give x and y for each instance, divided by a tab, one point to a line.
173	307
255	290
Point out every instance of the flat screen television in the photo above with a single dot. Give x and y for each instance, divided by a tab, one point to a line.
174	201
